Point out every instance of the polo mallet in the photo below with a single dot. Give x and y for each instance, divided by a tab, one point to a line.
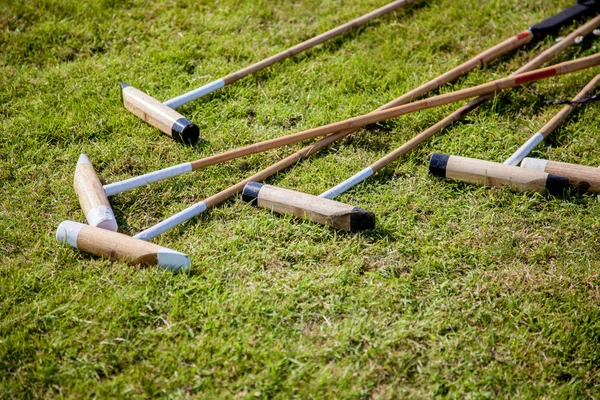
490	87
102	242
90	186
253	191
539	175
164	117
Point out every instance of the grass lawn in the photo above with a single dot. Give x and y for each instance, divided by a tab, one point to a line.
460	291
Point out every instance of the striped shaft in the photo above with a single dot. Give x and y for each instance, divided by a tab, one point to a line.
172	221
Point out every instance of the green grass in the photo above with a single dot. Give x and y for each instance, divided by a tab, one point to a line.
461	291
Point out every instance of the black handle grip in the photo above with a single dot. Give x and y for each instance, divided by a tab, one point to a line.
552	24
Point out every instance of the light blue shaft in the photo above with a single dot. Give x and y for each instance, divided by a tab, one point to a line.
347	184
141	180
547	129
307	44
195	94
524	150
172	222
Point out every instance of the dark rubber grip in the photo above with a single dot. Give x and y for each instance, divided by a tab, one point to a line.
564	17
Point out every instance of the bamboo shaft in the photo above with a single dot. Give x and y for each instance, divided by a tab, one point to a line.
357	122
457	115
567	41
564	112
314	41
480	59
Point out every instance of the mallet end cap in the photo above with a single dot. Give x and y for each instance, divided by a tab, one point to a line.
173	260
437	164
556	184
185	131
361	220
83	159
68	231
250	192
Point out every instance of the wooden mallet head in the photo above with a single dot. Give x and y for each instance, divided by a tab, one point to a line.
488	173
91	195
582	177
104	243
159	115
323	211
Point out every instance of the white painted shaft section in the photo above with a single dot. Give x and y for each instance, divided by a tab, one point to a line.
524	150
172	222
68	231
347	184
536	164
141	180
194	94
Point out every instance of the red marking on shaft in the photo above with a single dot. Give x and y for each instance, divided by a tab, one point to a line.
522	35
535	76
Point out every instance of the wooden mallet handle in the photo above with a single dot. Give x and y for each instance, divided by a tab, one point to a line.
92	198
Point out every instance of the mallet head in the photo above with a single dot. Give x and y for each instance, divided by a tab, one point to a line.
324	211
488	173
159	115
104	243
92	198
581	177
